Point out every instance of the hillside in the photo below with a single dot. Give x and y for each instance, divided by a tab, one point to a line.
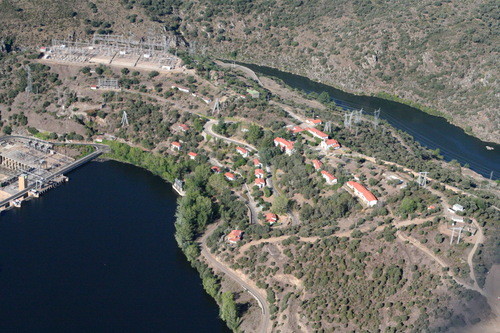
440	54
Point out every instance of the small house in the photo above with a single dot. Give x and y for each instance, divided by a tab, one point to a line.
230	176
285	145
260	183
192	155
330	143
271	218
317	164
242	151
183	128
176	145
234	236
330	179
259	173
314	122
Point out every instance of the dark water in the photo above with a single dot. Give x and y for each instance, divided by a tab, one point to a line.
431	131
98	255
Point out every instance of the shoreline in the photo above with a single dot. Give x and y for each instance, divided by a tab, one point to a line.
383	95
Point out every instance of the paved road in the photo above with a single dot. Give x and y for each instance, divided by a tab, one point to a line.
255	292
252	207
208	129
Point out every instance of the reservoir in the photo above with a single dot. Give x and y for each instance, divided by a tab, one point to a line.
430	131
98	254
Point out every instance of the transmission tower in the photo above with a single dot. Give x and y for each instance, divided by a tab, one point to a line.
347	120
422	179
124	119
357	115
328	127
376	116
459	229
29	85
216	107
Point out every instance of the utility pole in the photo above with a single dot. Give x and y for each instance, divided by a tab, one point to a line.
124	119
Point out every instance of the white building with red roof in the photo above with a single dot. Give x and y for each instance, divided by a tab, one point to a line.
296	129
330	143
176	145
230	176
256	163
235	236
259	173
271	218
317	164
184	128
192	155
362	193
314	122
330	179
260	183
242	151
215	169
317	133
285	145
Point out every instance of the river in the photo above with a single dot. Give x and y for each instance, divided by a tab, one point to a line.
98	254
431	131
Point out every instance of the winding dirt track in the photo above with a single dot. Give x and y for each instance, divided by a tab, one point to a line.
244	282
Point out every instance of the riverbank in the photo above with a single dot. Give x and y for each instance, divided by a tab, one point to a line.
485	137
194	206
430	131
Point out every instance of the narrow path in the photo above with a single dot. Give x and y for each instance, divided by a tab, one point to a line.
241	279
428	252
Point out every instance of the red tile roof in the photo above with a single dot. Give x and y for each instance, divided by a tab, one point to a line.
332	143
184	127
284	143
296	129
259	172
230	176
271	217
363	190
192	154
260	181
256	162
215	169
317	133
317	164
242	150
176	144
314	121
328	175
235	236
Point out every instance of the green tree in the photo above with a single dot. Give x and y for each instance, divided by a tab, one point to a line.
229	311
280	204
